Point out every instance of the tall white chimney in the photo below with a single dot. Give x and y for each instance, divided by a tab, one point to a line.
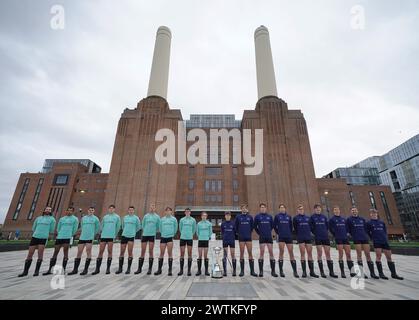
159	75
264	64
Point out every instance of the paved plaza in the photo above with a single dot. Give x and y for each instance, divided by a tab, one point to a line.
144	286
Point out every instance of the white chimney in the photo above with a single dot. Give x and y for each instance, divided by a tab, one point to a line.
264	64
159	75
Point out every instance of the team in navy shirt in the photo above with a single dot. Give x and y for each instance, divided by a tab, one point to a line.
228	233
306	227
244	227
338	228
264	224
320	228
283	228
302	228
377	231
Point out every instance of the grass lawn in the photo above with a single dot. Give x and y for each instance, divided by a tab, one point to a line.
396	244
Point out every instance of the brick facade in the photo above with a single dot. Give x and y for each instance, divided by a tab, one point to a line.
135	178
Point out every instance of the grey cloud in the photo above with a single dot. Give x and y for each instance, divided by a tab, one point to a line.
62	92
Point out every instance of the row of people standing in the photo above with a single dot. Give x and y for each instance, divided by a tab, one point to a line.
315	226
109	227
283	224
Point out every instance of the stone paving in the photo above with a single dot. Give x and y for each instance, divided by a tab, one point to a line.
144	286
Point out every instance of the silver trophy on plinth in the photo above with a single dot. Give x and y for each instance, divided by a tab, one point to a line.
216	265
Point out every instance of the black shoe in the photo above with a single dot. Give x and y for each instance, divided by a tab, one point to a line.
372	272
260	262
189	266
273	273
320	263
392	268
140	265
224	267
98	264
86	267
52	262
108	265
281	268
150	265
252	268
206	263
234	262
76	267
169	273
294	268
26	267
241	274
304	268
380	270
199	264
38	266
129	265
160	265
350	264
121	264
182	262
342	269
330	267
311	268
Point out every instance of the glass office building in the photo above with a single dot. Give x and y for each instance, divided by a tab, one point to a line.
92	167
357	176
399	169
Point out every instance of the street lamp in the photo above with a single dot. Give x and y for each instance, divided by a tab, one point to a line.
326	193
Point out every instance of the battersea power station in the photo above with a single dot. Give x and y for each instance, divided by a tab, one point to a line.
282	169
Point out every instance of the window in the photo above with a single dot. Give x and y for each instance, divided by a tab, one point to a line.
190	198
235	171
235	184
393	175
35	198
61	179
21	198
386	208
235	198
396	185
191	171
372	200
351	195
219	198
191	184
213	185
213	171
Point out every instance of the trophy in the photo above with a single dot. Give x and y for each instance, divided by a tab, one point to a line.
216	269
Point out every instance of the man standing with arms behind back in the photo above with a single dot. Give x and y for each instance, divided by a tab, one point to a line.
244	228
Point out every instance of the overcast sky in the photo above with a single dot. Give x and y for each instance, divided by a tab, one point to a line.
63	91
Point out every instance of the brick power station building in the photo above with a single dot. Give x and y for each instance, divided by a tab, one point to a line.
135	177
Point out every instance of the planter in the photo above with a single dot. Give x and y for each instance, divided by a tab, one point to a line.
405	251
14	246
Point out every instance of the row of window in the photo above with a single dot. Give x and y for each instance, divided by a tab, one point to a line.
374	204
214	198
213	185
213	171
